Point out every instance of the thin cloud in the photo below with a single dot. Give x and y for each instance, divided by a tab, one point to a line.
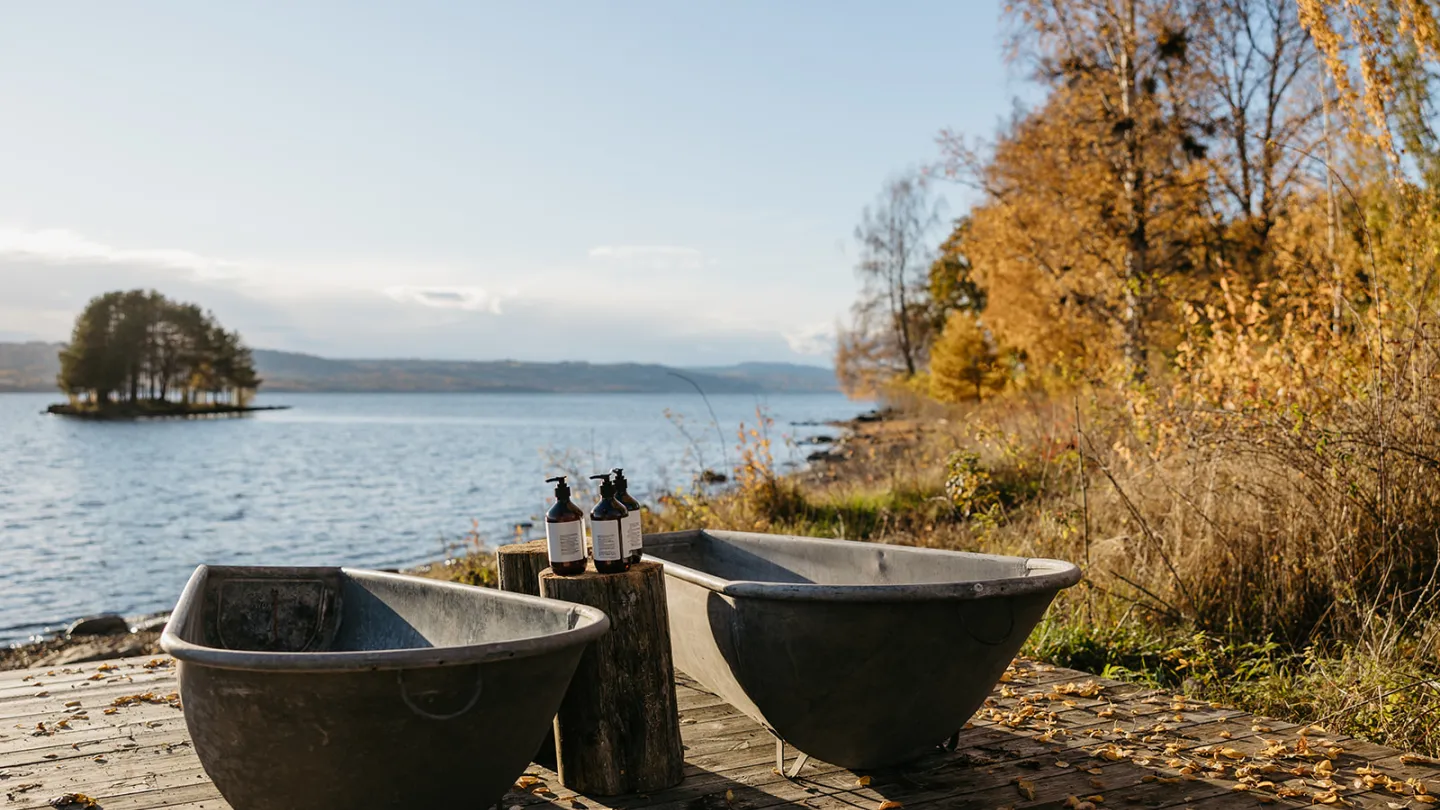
469	299
657	257
61	246
813	340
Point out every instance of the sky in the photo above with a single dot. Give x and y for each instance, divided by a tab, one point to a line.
671	182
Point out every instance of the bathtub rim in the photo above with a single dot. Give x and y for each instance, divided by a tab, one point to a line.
586	625
1043	575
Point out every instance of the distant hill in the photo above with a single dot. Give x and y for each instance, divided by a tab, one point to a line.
789	377
33	366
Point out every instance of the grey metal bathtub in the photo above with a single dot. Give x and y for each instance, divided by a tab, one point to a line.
341	688
861	654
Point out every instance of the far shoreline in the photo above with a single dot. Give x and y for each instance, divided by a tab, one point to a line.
154	410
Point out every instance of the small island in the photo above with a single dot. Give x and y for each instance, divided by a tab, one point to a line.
138	354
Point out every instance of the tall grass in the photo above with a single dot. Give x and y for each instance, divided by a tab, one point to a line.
1261	527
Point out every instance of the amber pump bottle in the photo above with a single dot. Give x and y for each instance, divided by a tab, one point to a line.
606	535
630	526
565	532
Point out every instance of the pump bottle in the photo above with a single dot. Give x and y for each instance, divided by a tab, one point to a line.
565	532
630	526
606	533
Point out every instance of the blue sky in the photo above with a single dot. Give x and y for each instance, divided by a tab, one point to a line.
664	182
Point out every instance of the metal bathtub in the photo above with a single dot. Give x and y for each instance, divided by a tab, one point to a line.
860	654
343	688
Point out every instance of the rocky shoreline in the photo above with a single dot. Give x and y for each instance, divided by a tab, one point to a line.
94	638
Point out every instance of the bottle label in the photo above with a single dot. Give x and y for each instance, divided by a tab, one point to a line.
630	526
606	540
566	541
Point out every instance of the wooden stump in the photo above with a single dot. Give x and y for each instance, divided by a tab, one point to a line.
519	566
618	730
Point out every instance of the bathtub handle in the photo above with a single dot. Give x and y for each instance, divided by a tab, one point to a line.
410	702
1009	616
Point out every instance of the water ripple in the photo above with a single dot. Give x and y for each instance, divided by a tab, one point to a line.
114	517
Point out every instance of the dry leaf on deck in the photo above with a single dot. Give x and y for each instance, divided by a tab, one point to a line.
74	800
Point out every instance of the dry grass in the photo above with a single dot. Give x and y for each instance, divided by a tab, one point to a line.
1279	559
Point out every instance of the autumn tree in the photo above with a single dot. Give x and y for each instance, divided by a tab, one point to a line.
890	317
1092	198
1262	98
964	362
1372	49
952	284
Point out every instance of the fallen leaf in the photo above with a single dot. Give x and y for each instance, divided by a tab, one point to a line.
74	800
863	781
889	805
1026	788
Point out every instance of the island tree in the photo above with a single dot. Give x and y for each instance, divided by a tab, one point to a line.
138	346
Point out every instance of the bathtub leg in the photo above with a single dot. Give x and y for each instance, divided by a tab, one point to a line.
799	763
780	760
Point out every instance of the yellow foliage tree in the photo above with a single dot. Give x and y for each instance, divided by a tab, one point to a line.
964	364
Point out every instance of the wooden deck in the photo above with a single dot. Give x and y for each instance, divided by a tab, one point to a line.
1049	738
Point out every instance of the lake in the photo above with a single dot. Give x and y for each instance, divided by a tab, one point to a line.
112	517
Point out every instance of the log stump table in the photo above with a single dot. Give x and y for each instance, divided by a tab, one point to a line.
618	730
518	566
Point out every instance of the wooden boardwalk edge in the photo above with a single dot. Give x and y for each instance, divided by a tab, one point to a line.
1048	737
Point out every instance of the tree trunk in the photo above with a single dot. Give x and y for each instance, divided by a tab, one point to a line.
1136	271
906	347
1331	218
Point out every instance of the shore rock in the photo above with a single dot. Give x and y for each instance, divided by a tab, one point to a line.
107	624
148	622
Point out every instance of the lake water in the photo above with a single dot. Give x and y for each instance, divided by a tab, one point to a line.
113	517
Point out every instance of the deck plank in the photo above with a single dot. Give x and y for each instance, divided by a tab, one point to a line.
1047	737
